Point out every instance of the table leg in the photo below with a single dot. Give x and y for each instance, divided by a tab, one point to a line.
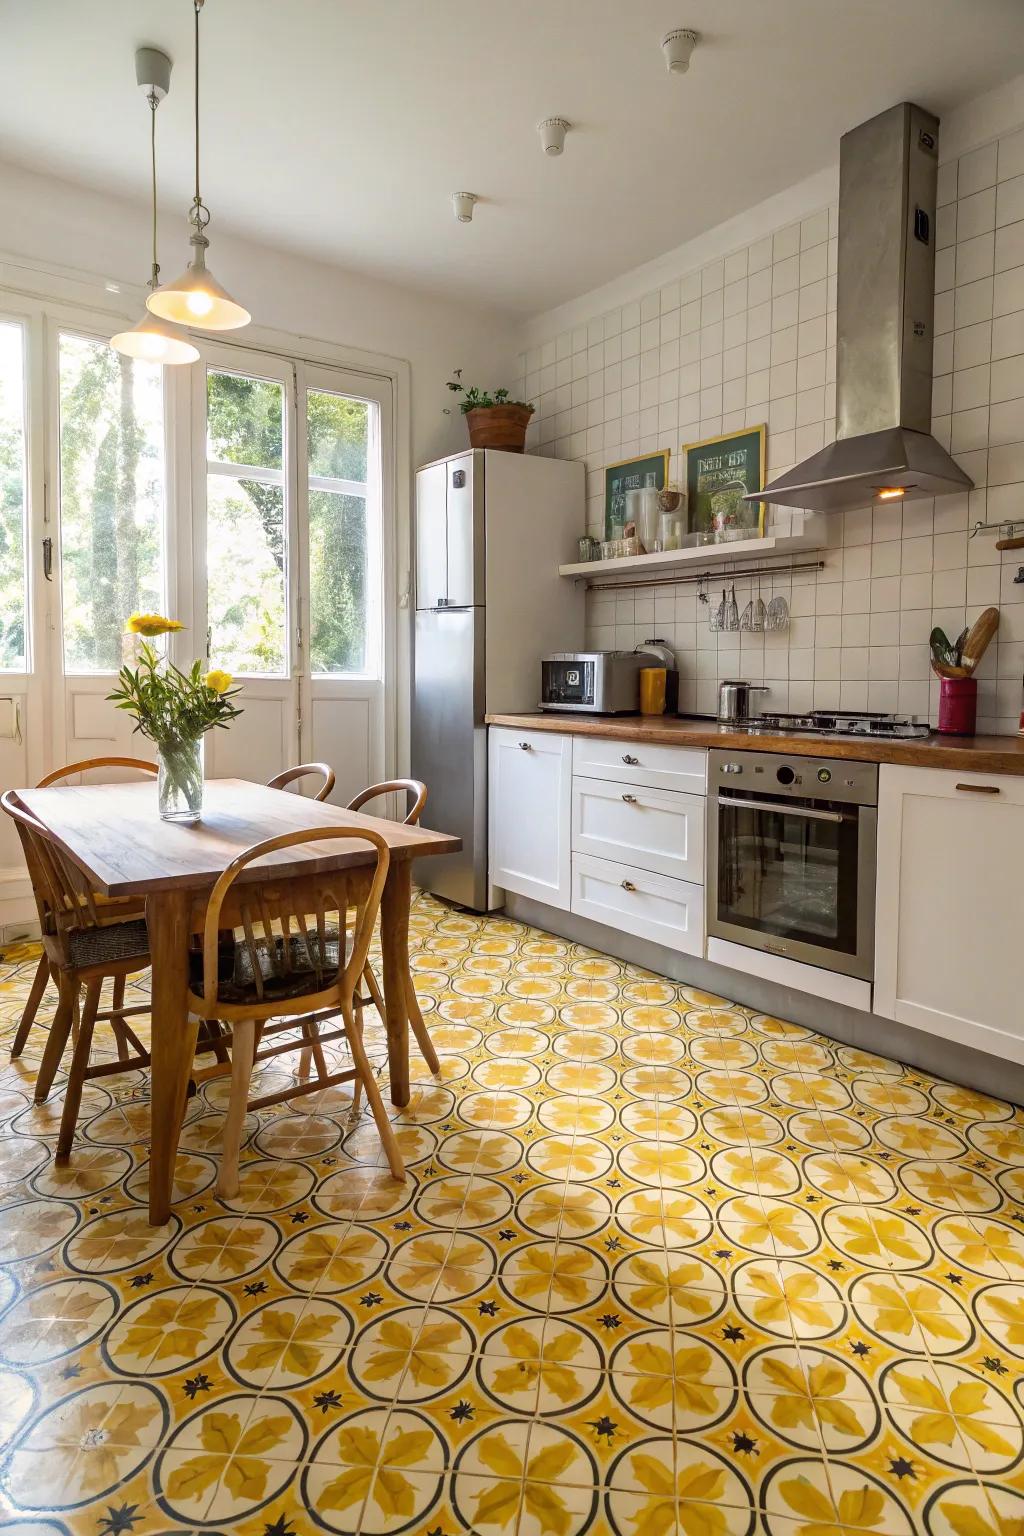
173	1041
394	930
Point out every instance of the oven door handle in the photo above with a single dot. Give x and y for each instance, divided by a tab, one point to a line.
780	805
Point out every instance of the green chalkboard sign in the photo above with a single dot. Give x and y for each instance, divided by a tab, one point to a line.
719	472
631	475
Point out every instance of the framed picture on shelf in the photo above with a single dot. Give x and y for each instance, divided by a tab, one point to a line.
651	469
720	471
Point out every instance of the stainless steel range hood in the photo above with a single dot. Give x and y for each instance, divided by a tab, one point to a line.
884	450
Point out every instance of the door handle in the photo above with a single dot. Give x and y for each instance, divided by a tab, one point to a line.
48	559
630	799
627	885
524	746
632	762
979	789
781	806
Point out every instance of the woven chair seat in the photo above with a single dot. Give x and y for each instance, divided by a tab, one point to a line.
118	941
287	969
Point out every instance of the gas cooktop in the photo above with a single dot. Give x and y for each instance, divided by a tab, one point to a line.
841	722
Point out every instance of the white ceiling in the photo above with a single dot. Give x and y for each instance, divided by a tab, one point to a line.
340	129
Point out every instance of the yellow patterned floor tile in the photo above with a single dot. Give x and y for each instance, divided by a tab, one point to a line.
660	1264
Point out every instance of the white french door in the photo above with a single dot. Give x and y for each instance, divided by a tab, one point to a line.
292	560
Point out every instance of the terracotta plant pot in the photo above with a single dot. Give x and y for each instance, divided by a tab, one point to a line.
499	426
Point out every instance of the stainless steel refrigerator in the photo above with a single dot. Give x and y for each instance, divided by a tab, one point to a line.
491	530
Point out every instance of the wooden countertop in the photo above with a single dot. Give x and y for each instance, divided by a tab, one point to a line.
964	754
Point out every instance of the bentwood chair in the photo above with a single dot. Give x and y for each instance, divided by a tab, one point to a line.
417	790
85	945
126	910
303	770
289	969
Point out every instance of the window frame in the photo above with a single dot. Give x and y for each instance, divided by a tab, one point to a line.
23	323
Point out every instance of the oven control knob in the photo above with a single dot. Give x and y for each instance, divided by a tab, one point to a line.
785	775
731	768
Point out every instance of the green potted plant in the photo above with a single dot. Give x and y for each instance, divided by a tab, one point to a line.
494	421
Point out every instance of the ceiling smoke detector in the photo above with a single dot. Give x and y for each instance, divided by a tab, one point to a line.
462	206
552	134
678	46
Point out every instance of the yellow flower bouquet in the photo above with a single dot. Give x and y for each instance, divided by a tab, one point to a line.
174	709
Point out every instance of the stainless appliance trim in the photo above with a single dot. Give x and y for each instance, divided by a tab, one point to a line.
860	964
786	807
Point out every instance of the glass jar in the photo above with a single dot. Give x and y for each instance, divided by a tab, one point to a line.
180	780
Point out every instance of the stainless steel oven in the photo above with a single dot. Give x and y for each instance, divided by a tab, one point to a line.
791	857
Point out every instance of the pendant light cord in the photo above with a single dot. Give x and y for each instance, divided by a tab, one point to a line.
154	102
200	214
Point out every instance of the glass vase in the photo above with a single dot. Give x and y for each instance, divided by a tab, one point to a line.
180	781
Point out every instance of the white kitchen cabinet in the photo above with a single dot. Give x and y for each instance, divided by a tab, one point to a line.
669	912
948	905
656	829
530	776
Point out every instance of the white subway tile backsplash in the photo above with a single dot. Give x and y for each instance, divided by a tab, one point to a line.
752	338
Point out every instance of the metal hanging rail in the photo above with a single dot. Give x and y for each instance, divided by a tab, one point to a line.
1005	525
712	575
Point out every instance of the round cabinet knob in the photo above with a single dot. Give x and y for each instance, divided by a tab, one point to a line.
630	799
632	762
524	746
627	885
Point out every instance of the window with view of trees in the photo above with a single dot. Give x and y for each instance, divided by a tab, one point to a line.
338	430
111	498
13	627
246	532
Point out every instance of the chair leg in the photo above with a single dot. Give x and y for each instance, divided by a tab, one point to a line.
35	997
117	1022
57	1038
76	1077
373	1098
357	1026
243	1049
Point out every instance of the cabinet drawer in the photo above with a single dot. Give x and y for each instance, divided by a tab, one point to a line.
629	762
653	829
669	912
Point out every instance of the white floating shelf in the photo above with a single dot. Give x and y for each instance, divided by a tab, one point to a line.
701	555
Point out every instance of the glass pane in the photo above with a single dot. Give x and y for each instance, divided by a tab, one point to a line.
245	561
245	420
787	875
111	498
12	499
338	431
337	582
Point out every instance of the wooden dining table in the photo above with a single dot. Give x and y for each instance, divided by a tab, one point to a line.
114	834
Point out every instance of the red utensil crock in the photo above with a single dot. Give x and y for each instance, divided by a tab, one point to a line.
958	705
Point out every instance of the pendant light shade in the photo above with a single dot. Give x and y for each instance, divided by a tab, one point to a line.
153	340
196	298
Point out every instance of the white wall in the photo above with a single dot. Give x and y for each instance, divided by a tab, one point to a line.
738	328
55	224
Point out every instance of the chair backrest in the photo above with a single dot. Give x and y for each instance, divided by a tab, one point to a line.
414	787
265	906
70	769
64	897
282	780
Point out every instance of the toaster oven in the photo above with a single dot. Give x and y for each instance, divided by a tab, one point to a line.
593	682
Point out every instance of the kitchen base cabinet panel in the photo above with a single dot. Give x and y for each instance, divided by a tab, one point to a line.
530	794
653	829
949	935
679	768
669	912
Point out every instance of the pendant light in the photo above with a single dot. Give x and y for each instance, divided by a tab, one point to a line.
154	340
196	298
